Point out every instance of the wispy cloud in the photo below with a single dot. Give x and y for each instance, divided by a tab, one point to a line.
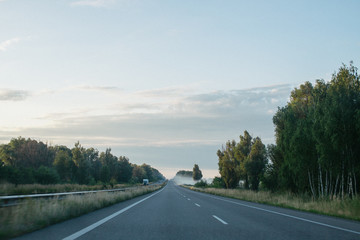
13	95
180	118
93	3
6	44
97	88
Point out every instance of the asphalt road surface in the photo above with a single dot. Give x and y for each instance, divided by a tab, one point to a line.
178	213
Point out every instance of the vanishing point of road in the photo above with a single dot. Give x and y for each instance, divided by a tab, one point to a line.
178	213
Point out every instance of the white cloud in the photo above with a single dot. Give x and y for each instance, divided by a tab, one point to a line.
162	116
13	95
96	88
93	3
6	44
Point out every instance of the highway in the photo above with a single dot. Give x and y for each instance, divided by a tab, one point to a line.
178	213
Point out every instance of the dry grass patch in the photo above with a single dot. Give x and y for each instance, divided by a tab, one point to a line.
347	208
39	213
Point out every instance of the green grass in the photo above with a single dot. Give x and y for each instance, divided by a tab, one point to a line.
23	189
347	208
35	214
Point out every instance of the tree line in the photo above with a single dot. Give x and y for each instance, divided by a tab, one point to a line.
26	161
317	148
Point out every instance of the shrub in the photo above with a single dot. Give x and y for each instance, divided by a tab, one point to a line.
46	175
201	184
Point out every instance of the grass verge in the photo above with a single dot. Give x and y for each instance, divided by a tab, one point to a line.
35	214
347	208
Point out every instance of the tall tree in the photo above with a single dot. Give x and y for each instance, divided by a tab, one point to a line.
64	165
197	174
82	163
255	166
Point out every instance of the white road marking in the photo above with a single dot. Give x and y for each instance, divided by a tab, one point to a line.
189	199
220	220
197	204
290	216
91	227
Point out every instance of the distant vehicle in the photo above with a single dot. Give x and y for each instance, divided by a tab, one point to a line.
145	181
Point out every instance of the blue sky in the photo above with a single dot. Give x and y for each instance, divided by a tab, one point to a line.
163	82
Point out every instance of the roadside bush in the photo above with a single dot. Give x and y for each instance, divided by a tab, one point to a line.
46	175
218	183
201	184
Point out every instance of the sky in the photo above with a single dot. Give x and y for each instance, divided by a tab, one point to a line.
163	82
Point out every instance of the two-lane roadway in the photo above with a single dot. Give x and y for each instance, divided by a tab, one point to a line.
177	213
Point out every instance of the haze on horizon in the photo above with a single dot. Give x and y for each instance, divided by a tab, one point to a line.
163	82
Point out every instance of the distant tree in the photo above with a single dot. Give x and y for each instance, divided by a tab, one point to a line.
82	163
148	172
24	161
105	174
123	170
255	166
64	165
138	174
197	174
229	166
108	159
184	173
21	152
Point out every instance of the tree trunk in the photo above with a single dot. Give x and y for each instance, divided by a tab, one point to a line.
330	186
355	184
337	181
326	183
342	181
321	182
311	186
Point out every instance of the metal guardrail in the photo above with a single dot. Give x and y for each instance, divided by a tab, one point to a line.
12	200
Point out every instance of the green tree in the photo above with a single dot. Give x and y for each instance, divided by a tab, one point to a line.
255	166
242	152
83	165
148	172
124	169
197	174
218	182
138	174
46	175
228	165
108	159
105	174
64	165
317	135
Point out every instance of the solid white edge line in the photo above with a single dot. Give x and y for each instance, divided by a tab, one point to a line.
98	223
290	216
220	220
